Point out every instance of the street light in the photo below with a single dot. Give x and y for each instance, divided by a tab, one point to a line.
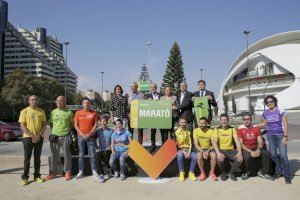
66	44
201	70
149	44
249	93
102	93
265	90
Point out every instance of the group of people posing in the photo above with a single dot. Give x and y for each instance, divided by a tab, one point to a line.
196	140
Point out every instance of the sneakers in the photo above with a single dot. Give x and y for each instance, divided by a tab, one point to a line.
51	176
122	176
213	176
24	182
181	176
288	180
101	178
224	176
266	176
232	177
192	176
109	173
116	175
68	176
202	177
79	175
245	176
39	180
95	175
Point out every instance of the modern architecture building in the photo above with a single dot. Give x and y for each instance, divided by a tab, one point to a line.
273	69
37	54
3	24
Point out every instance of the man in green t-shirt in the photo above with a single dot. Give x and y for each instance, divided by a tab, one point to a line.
61	122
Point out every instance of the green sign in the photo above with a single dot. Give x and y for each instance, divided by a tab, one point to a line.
144	86
151	114
201	107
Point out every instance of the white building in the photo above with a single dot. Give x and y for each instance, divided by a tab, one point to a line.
274	69
37	54
106	95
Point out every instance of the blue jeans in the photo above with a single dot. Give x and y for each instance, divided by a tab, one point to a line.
91	143
122	158
281	162
181	158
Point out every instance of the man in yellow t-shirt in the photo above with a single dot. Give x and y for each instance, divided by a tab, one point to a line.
33	123
202	142
224	141
184	142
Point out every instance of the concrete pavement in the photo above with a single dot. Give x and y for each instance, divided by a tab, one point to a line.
89	188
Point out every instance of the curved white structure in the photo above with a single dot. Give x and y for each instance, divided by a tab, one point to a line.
274	68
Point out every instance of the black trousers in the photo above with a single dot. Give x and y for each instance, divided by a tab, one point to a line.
153	134
102	160
229	158
262	162
166	132
28	147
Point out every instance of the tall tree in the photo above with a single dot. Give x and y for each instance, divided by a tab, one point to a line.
144	76
174	73
18	86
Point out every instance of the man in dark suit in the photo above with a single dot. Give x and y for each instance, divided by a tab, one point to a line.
154	95
210	95
185	105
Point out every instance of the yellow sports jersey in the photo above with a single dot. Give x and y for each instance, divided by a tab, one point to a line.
203	138
225	137
34	120
183	138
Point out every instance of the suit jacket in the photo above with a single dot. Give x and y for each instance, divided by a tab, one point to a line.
150	96
210	102
186	106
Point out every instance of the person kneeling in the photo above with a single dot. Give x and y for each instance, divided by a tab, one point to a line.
223	142
252	145
104	139
202	141
183	139
119	147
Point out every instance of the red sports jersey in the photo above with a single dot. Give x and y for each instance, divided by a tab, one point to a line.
249	136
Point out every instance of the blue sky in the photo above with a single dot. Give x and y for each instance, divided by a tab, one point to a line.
111	36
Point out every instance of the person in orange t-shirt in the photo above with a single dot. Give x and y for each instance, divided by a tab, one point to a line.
86	123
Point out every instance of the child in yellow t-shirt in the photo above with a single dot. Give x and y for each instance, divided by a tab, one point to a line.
184	142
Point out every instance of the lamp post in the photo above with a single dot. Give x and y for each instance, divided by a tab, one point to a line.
66	44
265	91
149	45
249	93
102	92
201	71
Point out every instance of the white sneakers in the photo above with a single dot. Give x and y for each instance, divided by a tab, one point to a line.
79	175
95	175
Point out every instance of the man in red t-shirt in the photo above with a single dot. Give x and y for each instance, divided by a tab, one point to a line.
253	152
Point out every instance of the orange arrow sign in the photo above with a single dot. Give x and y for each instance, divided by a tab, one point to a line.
153	165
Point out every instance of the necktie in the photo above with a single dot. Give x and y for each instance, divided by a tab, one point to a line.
201	94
